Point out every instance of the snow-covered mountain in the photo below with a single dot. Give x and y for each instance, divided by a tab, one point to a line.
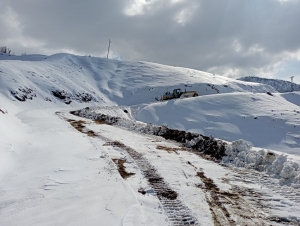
69	79
60	169
279	85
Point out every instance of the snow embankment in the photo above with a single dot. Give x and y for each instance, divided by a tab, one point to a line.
205	144
239	153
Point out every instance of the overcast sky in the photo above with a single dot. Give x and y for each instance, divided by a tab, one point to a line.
233	38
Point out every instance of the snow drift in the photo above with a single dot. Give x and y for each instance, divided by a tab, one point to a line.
239	154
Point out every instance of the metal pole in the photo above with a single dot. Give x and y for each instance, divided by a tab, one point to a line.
108	48
292	83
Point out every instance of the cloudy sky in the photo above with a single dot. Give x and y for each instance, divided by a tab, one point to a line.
233	38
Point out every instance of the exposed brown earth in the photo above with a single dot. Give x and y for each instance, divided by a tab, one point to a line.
79	125
121	168
168	149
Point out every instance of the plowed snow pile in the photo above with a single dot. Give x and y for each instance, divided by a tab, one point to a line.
239	153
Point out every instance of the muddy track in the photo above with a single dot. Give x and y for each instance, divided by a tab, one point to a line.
227	208
176	211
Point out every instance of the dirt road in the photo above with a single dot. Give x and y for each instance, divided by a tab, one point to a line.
191	190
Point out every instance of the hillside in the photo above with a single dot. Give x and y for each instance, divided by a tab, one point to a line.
84	142
69	79
271	122
279	85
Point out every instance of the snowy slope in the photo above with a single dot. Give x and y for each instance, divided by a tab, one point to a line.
97	80
280	85
266	121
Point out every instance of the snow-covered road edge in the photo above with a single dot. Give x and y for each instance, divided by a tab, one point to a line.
238	153
207	145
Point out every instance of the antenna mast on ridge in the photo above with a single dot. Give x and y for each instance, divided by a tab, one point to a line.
292	83
108	48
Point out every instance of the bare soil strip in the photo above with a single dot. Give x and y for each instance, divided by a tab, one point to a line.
218	211
79	125
121	168
229	208
168	149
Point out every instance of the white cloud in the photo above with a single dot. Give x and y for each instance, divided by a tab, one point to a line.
186	12
183	16
137	7
236	45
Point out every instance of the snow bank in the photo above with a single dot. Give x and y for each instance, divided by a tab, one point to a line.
239	153
206	144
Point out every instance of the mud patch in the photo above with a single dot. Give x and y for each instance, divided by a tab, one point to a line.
121	168
218	211
229	208
79	125
99	122
168	149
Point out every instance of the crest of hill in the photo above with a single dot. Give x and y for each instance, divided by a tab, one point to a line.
279	85
73	80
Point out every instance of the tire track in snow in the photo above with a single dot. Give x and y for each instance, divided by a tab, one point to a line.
176	211
226	208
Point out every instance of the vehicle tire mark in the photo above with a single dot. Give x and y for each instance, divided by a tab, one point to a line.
176	211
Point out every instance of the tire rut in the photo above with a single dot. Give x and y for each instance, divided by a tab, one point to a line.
177	213
224	206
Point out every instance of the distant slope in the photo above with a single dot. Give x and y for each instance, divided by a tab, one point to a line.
72	80
279	85
266	121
